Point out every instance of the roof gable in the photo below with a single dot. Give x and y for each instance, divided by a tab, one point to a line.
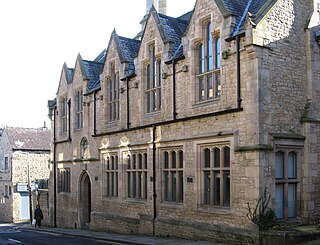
242	8
170	29
127	50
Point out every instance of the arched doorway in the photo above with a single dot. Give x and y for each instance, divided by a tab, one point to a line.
85	200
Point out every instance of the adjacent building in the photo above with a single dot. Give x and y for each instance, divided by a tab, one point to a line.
177	131
24	168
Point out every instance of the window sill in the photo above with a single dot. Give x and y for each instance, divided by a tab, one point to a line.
136	201
152	114
206	102
172	205
110	198
64	193
214	209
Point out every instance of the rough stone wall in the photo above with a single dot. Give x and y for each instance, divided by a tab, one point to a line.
38	170
282	66
6	202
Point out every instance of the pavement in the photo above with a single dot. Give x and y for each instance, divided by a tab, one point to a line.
127	239
117	238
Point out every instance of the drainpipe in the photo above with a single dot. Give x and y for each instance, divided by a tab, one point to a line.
174	89
154	177
238	71
69	121
54	171
128	102
94	113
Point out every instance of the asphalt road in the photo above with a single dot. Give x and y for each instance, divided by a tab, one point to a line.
11	234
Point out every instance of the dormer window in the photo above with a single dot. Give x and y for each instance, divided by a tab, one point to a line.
153	80
208	72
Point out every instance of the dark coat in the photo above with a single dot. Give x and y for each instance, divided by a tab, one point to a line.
38	215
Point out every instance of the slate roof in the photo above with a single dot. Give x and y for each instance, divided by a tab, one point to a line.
129	49
92	71
173	29
240	9
29	138
69	73
101	57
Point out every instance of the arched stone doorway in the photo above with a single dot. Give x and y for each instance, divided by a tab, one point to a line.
85	200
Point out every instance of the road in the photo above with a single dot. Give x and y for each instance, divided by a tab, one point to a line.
11	234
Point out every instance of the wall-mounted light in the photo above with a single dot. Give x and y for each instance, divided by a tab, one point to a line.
185	68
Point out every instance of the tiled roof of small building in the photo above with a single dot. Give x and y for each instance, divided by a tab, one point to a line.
29	138
92	72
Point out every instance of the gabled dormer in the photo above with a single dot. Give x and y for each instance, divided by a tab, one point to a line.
119	65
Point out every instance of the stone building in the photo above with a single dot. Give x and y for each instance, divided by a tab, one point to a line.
176	132
24	162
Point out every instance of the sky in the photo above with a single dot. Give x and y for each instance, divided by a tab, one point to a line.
38	36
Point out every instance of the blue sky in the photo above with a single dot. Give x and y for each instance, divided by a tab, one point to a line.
38	36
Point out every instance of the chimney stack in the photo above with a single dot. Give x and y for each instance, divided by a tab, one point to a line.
160	5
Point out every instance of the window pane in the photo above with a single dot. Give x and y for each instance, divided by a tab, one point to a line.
166	185
134	185
154	99
145	185
209	87
216	157
174	159
226	157
128	163
217	53
292	165
292	200
140	160
174	187
279	165
226	188
206	178
201	59
148	77
180	186
145	161
201	89
180	159
148	101
217	84
159	72
207	158
166	160
279	201
209	48
216	188
129	184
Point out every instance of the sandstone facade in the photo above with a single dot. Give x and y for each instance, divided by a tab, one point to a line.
179	156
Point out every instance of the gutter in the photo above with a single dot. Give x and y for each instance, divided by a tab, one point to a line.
54	171
69	121
94	112
154	128
128	102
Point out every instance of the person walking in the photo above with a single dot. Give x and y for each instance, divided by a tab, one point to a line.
38	215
